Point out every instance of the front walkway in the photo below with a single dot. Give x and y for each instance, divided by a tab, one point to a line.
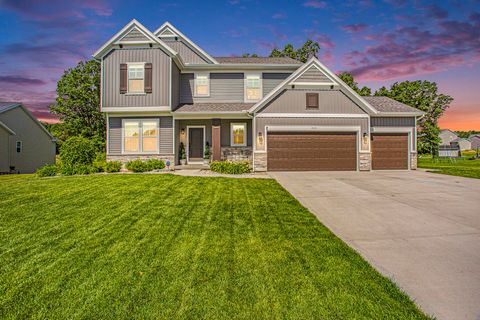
420	229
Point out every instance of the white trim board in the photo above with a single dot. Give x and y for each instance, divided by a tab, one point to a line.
311	115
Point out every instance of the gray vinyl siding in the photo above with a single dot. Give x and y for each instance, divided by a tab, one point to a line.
185	52
294	101
271	80
115	134
313	75
392	122
160	95
4	150
262	122
175	86
38	149
134	35
224	87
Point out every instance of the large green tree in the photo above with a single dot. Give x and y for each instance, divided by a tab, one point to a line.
78	103
348	79
424	96
309	49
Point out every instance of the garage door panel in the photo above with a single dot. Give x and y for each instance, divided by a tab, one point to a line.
389	151
311	151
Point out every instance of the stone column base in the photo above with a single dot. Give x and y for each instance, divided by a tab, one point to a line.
236	153
124	158
365	162
260	161
413	160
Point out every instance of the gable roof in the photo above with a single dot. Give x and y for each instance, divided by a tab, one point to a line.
474	136
335	80
4	126
5	106
257	60
460	139
150	38
167	29
388	105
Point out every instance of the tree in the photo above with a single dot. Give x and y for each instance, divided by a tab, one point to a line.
424	96
466	134
308	50
78	103
348	79
250	55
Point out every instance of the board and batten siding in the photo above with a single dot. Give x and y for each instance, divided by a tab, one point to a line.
160	95
392	122
115	134
185	52
224	87
313	75
330	101
271	80
261	123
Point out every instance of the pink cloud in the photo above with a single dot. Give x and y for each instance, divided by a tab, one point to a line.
279	16
315	4
353	28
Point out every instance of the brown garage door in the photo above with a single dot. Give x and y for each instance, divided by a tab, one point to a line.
311	151
389	151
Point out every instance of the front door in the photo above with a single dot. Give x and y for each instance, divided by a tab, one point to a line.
195	144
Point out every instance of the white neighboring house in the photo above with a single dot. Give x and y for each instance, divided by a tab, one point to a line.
464	144
447	136
25	144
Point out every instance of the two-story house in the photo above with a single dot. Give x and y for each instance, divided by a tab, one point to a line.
159	89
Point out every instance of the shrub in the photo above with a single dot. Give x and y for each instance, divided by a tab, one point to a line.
155	164
230	167
100	161
77	169
137	166
77	151
47	171
112	166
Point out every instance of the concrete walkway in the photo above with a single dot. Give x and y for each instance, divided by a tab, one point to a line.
420	229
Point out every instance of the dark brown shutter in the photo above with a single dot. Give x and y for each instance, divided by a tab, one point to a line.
312	100
148	78
123	78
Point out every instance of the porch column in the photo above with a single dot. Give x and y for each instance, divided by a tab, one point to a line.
216	144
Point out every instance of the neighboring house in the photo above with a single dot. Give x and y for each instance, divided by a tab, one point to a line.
160	89
464	144
447	136
25	145
475	141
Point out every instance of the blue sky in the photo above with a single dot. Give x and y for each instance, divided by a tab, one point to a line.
380	42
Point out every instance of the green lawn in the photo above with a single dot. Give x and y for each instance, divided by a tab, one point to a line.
456	167
162	247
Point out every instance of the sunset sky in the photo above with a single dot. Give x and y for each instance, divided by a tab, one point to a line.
380	42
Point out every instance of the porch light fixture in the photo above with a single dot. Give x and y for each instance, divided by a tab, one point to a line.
260	138
182	132
365	138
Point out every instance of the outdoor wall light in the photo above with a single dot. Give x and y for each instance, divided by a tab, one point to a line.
182	132
365	138
260	139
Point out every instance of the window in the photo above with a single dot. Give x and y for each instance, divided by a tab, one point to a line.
140	136
312	100
238	137
136	78
202	85
253	87
19	146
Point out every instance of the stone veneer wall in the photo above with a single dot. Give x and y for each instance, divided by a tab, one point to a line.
365	161
260	161
413	160
127	157
236	153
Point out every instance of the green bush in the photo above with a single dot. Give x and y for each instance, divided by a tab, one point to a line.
137	166
77	151
112	166
230	167
155	164
77	169
47	171
100	161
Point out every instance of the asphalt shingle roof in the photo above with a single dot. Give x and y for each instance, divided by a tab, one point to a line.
6	105
386	104
214	107
257	60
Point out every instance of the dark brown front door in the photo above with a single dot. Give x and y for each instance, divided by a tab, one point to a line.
311	151
195	144
389	151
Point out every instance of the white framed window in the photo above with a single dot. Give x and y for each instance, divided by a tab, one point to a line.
253	87
136	77
238	134
18	146
140	136
202	84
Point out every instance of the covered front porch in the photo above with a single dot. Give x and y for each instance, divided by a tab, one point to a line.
228	139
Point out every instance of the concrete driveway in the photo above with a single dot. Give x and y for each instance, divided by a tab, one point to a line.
420	229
